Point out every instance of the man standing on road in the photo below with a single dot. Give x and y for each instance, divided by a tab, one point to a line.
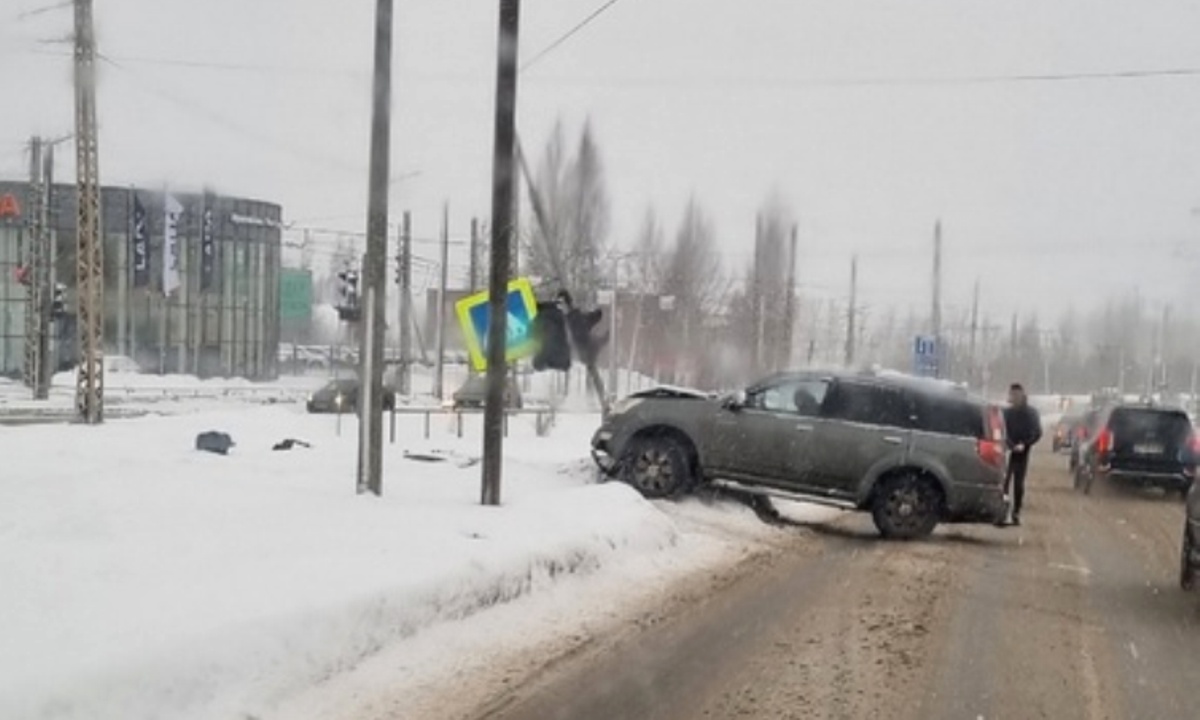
1024	430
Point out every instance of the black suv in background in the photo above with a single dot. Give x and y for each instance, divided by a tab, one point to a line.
910	451
1141	445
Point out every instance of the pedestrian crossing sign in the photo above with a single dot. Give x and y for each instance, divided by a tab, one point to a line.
473	316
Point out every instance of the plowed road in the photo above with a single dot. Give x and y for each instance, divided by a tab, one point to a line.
1076	614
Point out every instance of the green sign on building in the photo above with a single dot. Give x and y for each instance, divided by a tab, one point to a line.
295	296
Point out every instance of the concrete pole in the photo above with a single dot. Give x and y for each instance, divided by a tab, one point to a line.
439	374
406	313
374	273
612	331
503	191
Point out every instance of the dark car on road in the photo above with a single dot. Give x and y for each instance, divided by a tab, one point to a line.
1138	444
1066	430
341	395
473	393
910	451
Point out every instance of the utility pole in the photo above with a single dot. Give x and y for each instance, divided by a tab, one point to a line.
1121	369
89	263
374	272
37	266
851	313
1162	347
789	329
45	276
756	297
439	372
474	261
503	186
406	314
613	348
936	315
974	332
184	296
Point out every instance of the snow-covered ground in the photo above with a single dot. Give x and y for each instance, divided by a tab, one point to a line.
140	578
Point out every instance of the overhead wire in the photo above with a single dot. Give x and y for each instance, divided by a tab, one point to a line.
558	42
42	10
230	125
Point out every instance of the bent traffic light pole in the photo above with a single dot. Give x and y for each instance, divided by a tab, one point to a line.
551	249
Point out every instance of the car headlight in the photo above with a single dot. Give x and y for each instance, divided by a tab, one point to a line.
337	400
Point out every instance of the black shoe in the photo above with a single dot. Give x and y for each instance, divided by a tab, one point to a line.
1016	520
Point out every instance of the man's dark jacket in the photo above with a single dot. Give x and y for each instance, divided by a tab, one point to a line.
1024	426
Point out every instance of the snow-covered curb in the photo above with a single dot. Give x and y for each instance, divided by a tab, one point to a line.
248	668
144	580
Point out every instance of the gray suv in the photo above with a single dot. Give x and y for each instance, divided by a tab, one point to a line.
910	451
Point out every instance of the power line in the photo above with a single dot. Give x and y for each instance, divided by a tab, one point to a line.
42	10
231	125
868	82
568	34
239	67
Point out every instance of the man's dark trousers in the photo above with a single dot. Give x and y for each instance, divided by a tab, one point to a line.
1018	465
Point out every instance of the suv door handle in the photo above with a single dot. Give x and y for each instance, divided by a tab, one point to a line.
893	439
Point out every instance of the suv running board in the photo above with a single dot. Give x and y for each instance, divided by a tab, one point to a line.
784	494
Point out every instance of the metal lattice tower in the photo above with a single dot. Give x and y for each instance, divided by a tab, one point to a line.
35	258
89	261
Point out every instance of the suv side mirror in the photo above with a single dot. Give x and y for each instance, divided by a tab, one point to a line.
734	402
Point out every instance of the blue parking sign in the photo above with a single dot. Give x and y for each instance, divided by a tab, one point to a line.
926	356
474	316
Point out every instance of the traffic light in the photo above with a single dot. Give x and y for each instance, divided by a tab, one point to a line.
58	305
348	306
550	334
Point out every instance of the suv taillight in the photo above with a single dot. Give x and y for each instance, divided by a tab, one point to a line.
995	425
991	452
1104	441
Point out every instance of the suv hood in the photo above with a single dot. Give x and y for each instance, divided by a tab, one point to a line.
672	392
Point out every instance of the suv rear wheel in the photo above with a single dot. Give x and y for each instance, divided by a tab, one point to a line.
657	466
907	506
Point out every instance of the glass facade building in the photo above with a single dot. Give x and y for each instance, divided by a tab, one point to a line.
227	326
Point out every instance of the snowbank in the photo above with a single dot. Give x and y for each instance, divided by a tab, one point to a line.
142	579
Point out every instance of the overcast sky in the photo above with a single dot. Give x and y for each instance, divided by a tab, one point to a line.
1044	188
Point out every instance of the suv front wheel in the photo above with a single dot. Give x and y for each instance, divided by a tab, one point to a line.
907	506
657	466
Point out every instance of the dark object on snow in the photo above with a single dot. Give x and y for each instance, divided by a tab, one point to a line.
425	458
290	443
214	442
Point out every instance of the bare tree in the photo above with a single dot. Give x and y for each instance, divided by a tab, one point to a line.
771	272
588	216
648	266
692	275
576	214
551	183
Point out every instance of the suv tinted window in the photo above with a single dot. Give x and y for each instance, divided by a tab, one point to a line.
1140	423
949	416
870	404
794	395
